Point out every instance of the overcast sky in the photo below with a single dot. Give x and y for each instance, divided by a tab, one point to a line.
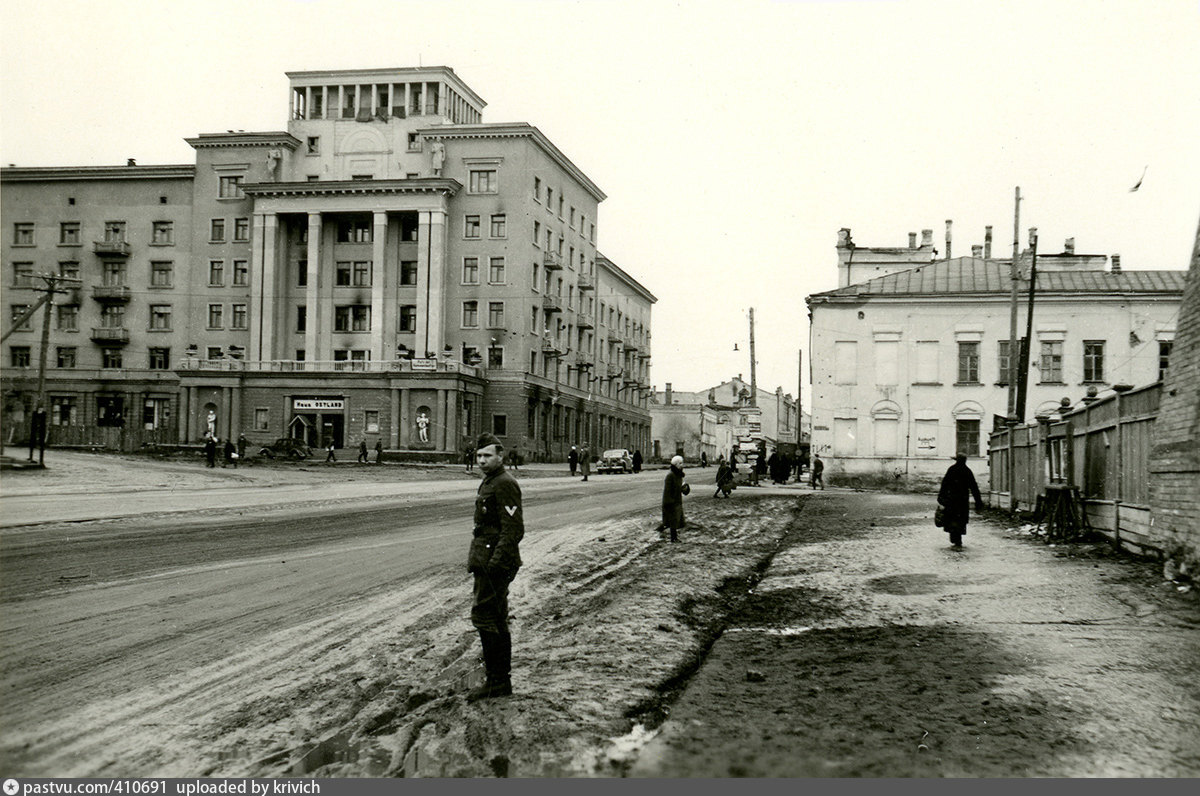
733	139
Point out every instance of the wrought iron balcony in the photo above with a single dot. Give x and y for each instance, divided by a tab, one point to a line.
552	261
112	293
106	335
112	248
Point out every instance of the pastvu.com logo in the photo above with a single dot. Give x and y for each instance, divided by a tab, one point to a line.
11	787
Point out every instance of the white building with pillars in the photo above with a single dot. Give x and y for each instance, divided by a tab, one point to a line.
388	267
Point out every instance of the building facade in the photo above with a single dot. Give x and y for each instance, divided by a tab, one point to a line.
388	267
713	421
911	367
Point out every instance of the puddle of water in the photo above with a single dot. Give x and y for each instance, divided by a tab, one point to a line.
770	631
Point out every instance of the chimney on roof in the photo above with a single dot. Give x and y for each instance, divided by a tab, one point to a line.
1069	246
976	250
844	238
1116	263
987	242
667	396
948	223
912	240
130	162
927	237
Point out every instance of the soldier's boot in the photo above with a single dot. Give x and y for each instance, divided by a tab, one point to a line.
496	656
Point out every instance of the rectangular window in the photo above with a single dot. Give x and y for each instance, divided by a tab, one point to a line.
216	316
216	230
68	233
162	233
62	410
408	272
1003	363
537	233
572	218
312	145
1051	361
470	273
110	358
496	271
112	316
887	355
496	314
499	225
1164	357
966	437
560	206
470	314
533	320
17	311
22	275
160	317
238	316
362	273
162	273
68	317
23	233
216	273
845	358
18	356
113	274
356	230
68	269
262	419
414	142
536	271
241	273
495	357
408	317
500	425
114	231
471	227
352	318
231	187
549	197
215	352
301	318
241	229
537	189
927	362
1093	360
483	181
301	273
371	421
160	358
968	362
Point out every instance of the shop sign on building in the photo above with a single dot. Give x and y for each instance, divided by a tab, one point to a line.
300	404
424	364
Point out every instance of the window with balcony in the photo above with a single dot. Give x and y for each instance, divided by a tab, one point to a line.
241	273
112	316
160	317
216	273
114	231
471	226
23	233
470	314
408	318
68	233
159	358
113	274
496	271
162	233
499	228
162	273
1093	360
216	230
241	229
470	272
216	316
230	187
68	317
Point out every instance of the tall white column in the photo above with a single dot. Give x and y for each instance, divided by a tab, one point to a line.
262	287
437	281
378	272
310	293
270	232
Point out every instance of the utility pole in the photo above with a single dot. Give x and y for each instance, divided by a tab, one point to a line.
1027	340
1013	350
753	377
37	428
799	393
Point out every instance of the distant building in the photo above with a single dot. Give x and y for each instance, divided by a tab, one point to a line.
911	366
388	267
713	420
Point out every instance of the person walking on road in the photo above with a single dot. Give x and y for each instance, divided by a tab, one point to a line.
493	560
573	459
958	487
703	459
379	451
585	461
210	451
818	472
329	457
672	502
363	458
242	443
637	461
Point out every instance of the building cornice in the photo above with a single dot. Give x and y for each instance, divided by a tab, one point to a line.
994	297
55	173
406	73
617	271
515	130
426	185
243	139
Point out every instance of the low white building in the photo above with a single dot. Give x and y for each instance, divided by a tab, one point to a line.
911	367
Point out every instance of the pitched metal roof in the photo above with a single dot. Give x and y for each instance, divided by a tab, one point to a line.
973	275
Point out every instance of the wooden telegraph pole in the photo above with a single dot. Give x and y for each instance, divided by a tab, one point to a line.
753	377
37	428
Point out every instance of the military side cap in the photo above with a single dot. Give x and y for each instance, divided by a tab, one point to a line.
488	439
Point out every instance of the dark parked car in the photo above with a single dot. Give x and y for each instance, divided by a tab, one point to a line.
286	447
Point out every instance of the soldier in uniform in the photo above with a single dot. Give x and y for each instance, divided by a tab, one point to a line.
494	559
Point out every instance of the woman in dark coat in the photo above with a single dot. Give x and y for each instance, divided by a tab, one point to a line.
958	487
637	461
672	503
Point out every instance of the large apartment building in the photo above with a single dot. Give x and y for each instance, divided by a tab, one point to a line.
388	267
